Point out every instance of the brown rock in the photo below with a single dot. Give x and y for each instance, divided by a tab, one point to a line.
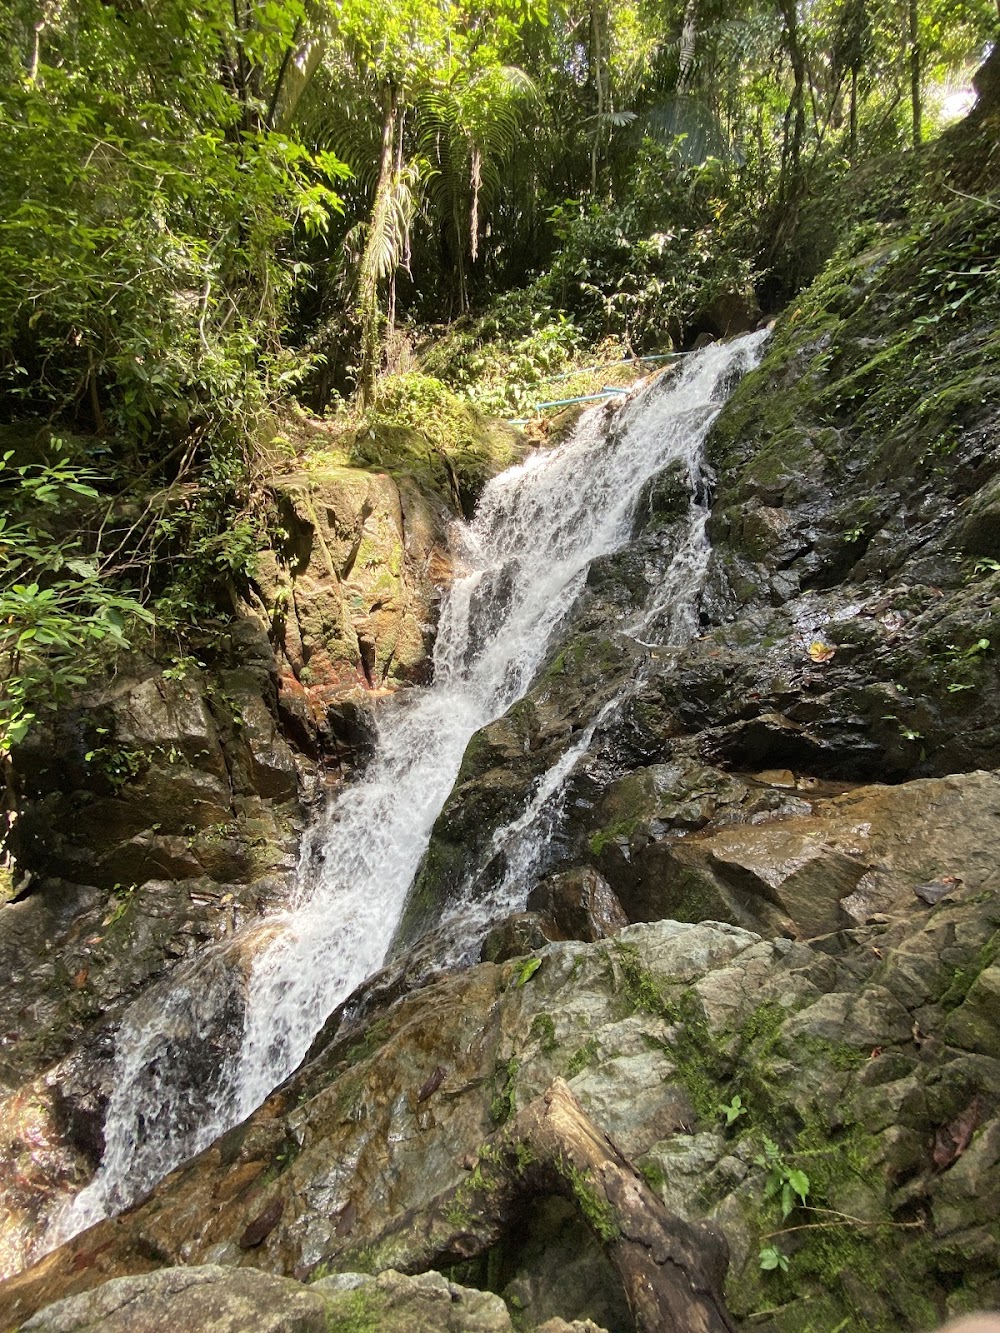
518	934
581	903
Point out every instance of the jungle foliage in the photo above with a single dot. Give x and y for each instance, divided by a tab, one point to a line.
209	209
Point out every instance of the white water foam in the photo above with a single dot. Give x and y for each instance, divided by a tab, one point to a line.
524	560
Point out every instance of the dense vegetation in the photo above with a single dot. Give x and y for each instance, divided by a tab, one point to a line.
211	210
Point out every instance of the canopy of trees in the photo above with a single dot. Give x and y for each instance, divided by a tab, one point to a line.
189	189
206	207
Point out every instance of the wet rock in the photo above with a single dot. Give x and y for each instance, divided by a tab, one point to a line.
501	765
516	935
809	867
577	1326
581	903
353	589
153	824
975	1026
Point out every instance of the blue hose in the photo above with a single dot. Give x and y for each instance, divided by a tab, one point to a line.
609	391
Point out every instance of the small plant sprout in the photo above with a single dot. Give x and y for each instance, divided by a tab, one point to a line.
771	1258
733	1111
783	1181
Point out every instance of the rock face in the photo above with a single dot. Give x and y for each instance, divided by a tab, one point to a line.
191	1300
868	1056
351	592
811	866
152	822
849	624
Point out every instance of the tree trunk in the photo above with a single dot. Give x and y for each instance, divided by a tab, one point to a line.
795	115
853	150
302	59
789	190
916	107
598	19
390	322
370	270
688	49
671	1272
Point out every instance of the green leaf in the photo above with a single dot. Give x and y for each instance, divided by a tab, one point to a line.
799	1182
87	569
772	1258
527	969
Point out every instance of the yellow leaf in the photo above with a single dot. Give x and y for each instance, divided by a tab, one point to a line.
820	651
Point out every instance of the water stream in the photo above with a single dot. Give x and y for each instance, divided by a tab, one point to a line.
200	1052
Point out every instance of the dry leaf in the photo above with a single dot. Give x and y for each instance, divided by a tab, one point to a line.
820	651
951	1141
262	1225
432	1084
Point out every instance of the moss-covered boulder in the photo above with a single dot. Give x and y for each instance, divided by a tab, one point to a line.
228	1300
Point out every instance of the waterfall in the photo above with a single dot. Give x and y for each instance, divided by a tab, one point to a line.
521	564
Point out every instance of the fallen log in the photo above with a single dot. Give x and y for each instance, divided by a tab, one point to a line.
671	1271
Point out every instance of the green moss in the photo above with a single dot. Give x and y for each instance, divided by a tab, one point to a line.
597	1211
558	666
523	1157
763	1025
443	864
836	1055
619	829
830	1256
543	1030
652	1173
459	1215
420	429
375	1036
963	979
504	1101
787	455
640	987
347	1090
836	1156
586	1055
702	1067
356	1312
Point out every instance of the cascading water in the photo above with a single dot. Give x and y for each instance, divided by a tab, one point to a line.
524	560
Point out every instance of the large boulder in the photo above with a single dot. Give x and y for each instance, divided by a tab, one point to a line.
245	1300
